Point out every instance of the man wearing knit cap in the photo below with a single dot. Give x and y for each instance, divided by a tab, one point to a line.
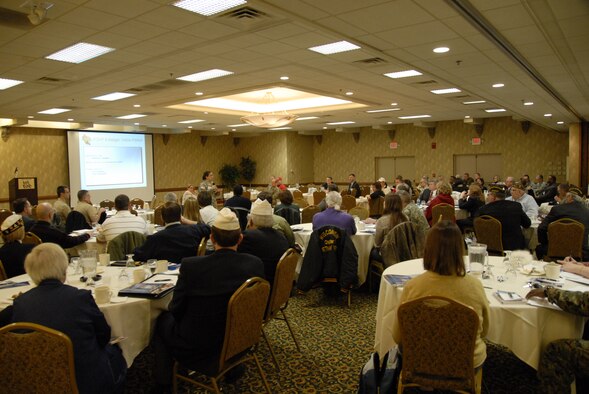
193	330
261	240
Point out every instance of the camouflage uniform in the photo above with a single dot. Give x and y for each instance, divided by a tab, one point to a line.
565	359
416	216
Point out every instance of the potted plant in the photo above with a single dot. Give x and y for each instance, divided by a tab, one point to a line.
229	174
248	169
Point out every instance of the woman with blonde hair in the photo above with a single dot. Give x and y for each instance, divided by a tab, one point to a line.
445	276
191	209
444	197
470	201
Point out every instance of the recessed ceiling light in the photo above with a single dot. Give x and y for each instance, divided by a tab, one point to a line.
495	110
70	120
441	49
498	85
204	75
164	125
284	78
137	105
306	118
445	91
8	83
374	111
349	93
199	93
212	128
548	115
473	102
414	116
136	123
206	113
324	128
403	74
281	128
394	104
466	116
528	103
113	96
560	122
54	111
191	121
189	127
338	123
131	116
208	7
335	47
79	53
389	122
239	125
31	117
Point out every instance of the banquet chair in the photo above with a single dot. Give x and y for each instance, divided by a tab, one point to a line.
301	202
36	359
202	247
365	191
488	231
565	238
279	295
318	197
344	192
445	210
308	213
137	202
245	316
157	216
297	194
123	244
246	194
242	214
4	213
107	204
376	207
348	202
76	221
361	212
438	337
304	189
290	213
2	272
34	212
31	238
153	202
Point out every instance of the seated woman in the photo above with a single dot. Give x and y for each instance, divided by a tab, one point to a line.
375	191
445	276
291	212
470	201
100	367
444	197
13	252
391	216
189	193
191	209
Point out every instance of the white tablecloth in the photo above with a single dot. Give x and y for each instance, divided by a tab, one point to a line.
133	319
363	241
525	329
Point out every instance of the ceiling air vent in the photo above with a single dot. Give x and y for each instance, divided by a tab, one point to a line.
430	82
161	85
52	81
372	61
245	14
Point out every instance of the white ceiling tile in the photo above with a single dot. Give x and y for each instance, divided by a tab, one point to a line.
569	8
209	29
139	30
90	18
172	18
278	32
508	17
126	8
418	34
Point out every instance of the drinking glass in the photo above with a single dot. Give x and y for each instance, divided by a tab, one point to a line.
74	267
150	266
89	270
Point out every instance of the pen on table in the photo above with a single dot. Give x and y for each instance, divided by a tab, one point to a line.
163	280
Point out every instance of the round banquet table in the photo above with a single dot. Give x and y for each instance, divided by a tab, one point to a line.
133	318
523	328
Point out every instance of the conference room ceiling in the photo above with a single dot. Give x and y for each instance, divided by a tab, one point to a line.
536	48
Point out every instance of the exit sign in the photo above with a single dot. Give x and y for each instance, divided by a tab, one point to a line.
476	141
394	145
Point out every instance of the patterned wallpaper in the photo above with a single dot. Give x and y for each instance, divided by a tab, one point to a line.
300	160
574	153
269	152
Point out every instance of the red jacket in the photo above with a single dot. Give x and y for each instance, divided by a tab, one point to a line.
440	199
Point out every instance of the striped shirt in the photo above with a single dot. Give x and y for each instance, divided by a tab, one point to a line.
121	222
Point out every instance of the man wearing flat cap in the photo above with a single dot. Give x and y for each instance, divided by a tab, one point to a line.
14	252
192	331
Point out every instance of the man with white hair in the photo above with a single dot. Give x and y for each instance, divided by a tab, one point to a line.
332	216
44	230
261	240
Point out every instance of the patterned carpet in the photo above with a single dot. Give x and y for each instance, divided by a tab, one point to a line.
335	342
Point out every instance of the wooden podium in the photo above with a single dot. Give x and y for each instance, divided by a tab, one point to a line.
23	187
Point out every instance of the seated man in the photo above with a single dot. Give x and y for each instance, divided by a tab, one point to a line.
569	208
14	252
208	213
62	206
261	240
280	223
175	241
23	207
510	214
238	201
563	360
170	197
86	208
538	184
322	204
332	216
329	181
193	330
519	194
428	193
122	221
548	193
44	230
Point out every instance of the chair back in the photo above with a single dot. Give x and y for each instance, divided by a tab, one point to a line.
241	214
308	213
361	212
365	191
446	211
157	216
291	213
403	242
245	316
4	213
348	202
345	192
376	206
565	238
488	231
153	202
76	221
318	197
34	212
36	359
301	202
124	244
444	360
297	194
137	202
31	238
202	247
247	194
282	286
2	272
107	204
304	189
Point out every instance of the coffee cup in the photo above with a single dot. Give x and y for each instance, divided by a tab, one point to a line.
161	266
552	271
102	294
138	275
150	228
104	259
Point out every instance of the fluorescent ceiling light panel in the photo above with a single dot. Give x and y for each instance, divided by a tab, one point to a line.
306	118
528	103
204	75
191	121
114	96
334	47
54	111
495	110
79	53
403	74
207	7
374	111
473	102
131	116
445	91
415	116
8	83
338	123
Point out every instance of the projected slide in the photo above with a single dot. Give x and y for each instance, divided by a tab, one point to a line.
111	160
